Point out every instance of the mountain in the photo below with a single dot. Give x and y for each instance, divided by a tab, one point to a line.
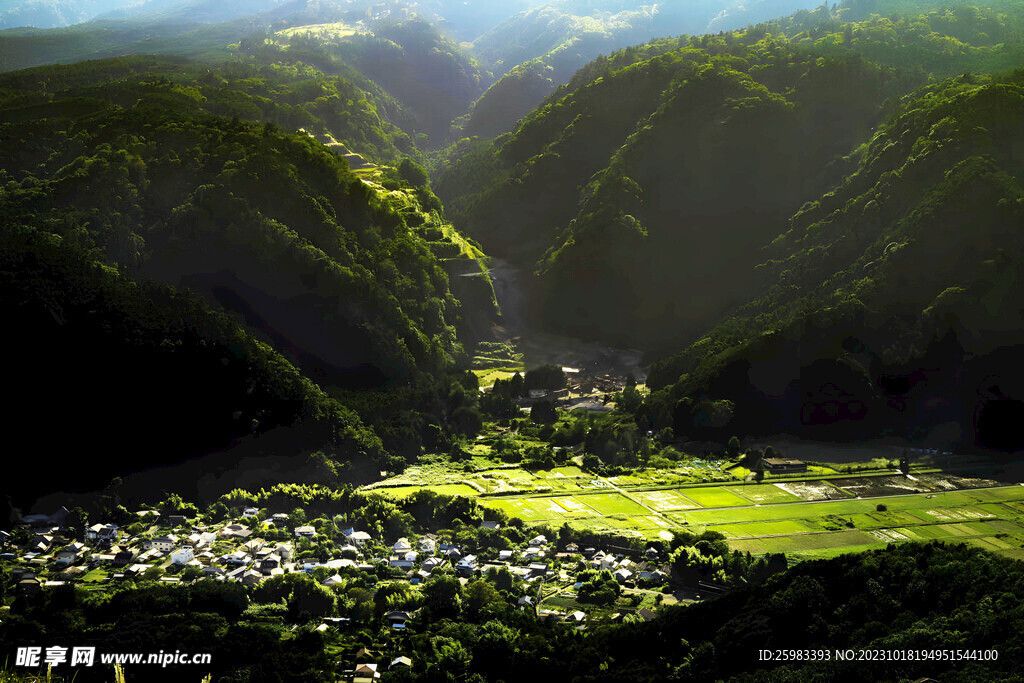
891	303
656	169
435	79
536	51
183	182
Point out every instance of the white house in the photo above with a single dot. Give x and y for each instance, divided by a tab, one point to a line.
402	546
428	545
305	532
466	566
250	512
183	555
163	543
505	555
538	541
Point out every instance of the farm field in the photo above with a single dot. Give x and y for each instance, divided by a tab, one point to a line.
766	518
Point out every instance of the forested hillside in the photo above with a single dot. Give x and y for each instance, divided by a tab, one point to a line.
658	168
178	174
910	266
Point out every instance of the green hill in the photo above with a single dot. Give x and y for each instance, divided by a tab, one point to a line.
147	167
910	266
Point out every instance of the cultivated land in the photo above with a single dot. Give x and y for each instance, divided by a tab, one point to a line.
805	517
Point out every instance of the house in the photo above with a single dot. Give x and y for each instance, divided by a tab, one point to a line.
339	564
490	525
578	616
397	618
466	566
279	518
5	538
646	614
331	580
505	555
651	553
251	578
538	569
608	562
183	555
305	532
572	548
125	556
348	551
526	601
101	531
784	465
538	541
532	553
70	554
235	531
365	672
269	563
253	546
214	572
30	586
430	564
283	551
402	546
163	543
453	553
237	559
358	538
400	661
177	520
428	545
404	560
622	575
250	512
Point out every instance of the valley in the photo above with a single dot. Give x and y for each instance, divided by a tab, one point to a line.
455	340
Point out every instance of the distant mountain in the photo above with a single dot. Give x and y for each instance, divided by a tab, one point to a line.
536	51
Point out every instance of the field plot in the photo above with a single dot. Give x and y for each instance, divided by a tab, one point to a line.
530	509
763	494
813	490
574	508
756	529
714	497
444	489
662	501
868	487
613	504
803	543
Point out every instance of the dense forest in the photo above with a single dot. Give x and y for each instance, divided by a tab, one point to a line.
161	169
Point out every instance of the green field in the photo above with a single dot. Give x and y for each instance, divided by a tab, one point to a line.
663	501
445	489
613	504
715	497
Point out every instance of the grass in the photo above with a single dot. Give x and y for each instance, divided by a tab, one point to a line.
715	497
398	492
666	500
799	543
613	504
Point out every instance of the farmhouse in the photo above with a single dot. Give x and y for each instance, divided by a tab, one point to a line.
784	465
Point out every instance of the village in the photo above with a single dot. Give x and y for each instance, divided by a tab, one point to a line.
46	552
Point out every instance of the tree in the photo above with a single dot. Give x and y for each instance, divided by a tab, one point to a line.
443	597
544	412
733	447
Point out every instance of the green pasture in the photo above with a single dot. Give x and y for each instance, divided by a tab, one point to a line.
714	497
613	504
800	543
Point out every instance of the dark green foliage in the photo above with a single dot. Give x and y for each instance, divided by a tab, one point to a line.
912	262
